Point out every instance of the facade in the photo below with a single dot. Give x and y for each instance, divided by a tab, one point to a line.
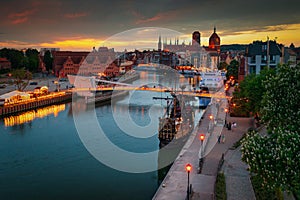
289	56
203	58
4	64
260	54
83	63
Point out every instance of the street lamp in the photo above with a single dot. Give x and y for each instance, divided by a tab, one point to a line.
226	111
211	117
202	137
188	168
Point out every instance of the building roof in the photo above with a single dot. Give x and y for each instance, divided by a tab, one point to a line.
260	48
4	60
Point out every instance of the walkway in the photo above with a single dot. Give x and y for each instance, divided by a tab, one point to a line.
174	186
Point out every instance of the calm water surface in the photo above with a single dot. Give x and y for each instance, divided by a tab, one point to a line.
45	159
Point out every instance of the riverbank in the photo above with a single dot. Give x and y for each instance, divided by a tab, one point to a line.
203	175
33	103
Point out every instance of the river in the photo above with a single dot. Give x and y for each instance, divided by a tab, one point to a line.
43	157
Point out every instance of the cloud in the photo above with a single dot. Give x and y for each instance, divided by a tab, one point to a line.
156	18
25	13
75	15
19	20
21	17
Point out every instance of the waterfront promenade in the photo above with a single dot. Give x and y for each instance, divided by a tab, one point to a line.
174	186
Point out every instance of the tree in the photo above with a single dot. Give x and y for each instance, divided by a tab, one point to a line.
275	157
32	59
233	69
48	60
222	66
21	78
281	101
252	90
16	57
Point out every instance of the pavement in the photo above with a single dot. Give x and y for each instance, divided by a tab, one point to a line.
238	185
46	81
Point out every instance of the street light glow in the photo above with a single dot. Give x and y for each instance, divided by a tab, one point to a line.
202	137
188	167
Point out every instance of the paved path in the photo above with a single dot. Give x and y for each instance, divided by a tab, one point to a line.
238	184
174	186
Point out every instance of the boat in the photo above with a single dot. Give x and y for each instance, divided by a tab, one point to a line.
214	81
203	100
176	125
187	71
146	67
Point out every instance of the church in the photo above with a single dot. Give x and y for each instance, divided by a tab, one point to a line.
205	58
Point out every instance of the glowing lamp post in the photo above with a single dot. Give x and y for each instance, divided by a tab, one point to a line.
226	111
202	137
188	168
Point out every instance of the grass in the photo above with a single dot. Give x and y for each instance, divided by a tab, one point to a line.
221	187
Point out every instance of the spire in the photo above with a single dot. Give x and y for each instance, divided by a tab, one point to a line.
159	43
214	29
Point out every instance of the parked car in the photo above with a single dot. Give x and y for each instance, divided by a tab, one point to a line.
33	83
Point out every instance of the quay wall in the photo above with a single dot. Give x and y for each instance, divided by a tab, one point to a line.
34	103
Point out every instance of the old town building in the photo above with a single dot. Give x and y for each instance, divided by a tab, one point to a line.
4	64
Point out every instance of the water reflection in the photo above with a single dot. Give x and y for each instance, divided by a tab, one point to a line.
33	114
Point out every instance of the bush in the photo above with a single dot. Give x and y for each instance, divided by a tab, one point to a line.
221	187
262	193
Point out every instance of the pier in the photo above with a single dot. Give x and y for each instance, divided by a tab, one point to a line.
33	103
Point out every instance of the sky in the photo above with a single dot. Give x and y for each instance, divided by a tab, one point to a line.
81	25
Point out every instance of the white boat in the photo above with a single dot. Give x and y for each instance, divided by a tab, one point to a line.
92	91
213	80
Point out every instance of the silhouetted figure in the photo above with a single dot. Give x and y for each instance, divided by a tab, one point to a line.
229	126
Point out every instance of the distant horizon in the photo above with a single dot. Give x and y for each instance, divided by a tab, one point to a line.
116	50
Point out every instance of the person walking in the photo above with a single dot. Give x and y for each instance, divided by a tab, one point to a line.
223	138
229	126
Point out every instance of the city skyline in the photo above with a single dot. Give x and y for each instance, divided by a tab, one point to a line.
77	25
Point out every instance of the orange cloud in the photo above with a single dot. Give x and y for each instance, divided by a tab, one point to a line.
75	15
157	17
21	17
20	20
22	14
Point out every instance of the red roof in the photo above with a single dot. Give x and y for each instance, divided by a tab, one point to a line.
4	60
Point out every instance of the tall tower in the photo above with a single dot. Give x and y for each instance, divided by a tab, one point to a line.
196	38
159	43
214	41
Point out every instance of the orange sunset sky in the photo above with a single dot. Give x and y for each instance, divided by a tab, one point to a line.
80	25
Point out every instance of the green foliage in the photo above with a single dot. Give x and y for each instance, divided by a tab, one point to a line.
21	78
16	57
233	69
221	187
48	60
262	193
222	66
281	101
250	92
30	61
275	157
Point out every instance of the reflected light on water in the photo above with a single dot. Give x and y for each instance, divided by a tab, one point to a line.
33	114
